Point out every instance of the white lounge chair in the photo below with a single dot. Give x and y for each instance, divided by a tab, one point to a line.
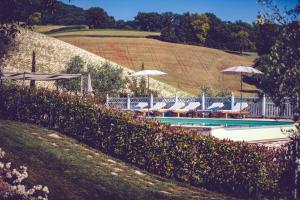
215	106
192	106
140	105
210	109
238	109
175	106
156	107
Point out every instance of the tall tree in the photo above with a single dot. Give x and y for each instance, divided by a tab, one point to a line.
218	35
168	30
242	40
281	69
200	23
267	33
97	18
148	21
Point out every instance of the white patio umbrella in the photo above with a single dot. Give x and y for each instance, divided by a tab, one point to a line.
242	70
89	85
148	73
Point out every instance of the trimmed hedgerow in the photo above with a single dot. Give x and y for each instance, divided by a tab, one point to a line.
220	165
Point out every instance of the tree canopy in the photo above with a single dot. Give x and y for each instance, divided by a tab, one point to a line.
97	18
280	64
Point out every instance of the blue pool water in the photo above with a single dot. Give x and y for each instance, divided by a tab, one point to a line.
222	122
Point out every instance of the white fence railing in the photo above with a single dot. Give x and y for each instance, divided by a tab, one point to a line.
257	107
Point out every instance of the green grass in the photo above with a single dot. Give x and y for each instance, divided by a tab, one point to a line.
68	31
73	171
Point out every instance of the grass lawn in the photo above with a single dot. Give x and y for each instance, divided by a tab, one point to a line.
46	28
105	33
74	171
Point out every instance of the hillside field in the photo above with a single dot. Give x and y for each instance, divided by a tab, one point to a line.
188	67
52	56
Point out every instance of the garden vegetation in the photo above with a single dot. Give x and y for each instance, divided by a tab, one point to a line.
224	166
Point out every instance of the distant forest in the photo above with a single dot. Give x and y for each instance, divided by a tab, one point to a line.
204	29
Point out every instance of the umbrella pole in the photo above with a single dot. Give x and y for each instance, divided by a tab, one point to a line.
241	95
149	97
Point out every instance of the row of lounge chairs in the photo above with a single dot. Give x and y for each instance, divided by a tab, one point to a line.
179	108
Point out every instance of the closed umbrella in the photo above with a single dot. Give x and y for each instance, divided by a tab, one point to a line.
148	73
242	70
89	85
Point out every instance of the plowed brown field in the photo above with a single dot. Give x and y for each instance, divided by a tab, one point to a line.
188	67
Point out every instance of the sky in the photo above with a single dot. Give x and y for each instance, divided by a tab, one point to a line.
227	10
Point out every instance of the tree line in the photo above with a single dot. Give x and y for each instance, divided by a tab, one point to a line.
188	28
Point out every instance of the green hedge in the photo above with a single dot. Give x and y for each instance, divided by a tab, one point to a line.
220	165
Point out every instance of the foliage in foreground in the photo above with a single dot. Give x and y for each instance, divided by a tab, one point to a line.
11	183
219	165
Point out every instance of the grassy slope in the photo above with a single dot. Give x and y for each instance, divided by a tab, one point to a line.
46	28
106	33
188	66
52	55
73	171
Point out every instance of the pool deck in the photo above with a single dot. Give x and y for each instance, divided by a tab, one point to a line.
266	135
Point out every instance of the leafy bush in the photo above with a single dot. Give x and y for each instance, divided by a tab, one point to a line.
220	165
106	78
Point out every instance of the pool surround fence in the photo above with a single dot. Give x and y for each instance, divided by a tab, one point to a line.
258	107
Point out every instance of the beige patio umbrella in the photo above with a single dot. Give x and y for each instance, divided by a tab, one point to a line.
242	70
148	73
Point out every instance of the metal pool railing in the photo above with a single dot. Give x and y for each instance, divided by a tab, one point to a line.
257	107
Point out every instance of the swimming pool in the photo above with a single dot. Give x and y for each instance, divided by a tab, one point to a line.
223	122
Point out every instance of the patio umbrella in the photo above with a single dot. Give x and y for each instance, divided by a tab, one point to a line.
89	85
242	70
148	73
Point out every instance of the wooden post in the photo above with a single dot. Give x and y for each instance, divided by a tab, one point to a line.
33	69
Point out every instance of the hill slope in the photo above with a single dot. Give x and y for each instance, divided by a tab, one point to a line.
76	172
188	67
53	54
